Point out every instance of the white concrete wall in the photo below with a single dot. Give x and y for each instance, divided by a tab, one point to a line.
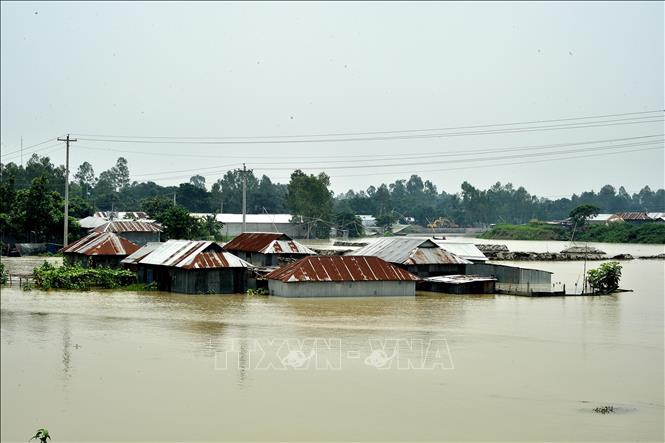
342	289
290	229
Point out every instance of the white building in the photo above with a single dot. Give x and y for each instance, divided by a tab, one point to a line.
259	223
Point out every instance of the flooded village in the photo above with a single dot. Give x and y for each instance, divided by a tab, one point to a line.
332	221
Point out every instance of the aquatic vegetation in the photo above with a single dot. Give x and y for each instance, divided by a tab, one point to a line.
604	410
4	275
260	291
76	277
42	434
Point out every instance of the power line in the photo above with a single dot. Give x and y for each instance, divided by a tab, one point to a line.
448	154
49	148
488	166
370	157
27	147
337	134
216	173
606	123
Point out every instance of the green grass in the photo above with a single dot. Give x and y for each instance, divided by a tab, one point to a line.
614	233
531	231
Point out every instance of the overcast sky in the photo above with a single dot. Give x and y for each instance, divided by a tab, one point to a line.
271	69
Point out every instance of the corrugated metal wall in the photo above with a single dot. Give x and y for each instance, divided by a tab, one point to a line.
140	238
513	279
342	289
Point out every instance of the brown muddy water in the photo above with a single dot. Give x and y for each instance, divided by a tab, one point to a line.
126	366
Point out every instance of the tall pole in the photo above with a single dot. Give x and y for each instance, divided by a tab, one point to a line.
244	196
21	150
67	140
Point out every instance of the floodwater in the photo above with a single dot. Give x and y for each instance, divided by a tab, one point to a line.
125	366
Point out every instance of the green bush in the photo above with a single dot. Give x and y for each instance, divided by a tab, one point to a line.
605	279
75	277
4	275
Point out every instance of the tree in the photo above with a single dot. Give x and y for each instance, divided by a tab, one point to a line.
86	179
178	224
348	221
605	279
582	213
198	181
309	197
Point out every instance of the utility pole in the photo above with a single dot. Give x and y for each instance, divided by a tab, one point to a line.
67	140
244	196
174	203
21	150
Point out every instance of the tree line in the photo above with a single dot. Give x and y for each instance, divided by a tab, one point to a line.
31	199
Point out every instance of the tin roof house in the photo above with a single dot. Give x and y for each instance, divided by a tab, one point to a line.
420	256
267	248
341	276
190	267
139	232
99	249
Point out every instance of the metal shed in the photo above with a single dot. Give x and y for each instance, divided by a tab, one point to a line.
468	251
514	280
191	267
341	276
460	284
420	256
139	232
267	248
99	249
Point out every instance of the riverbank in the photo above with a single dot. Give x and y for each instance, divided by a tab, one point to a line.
650	233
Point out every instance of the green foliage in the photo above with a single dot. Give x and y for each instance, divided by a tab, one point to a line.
4	275
260	291
582	213
532	231
141	287
350	222
605	279
42	435
653	233
309	197
48	276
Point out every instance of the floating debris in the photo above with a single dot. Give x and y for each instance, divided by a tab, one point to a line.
604	410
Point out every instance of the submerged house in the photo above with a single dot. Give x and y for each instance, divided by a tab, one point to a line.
191	267
420	256
514	280
99	249
267	248
460	284
139	232
467	251
341	276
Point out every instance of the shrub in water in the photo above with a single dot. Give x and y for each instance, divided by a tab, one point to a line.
75	277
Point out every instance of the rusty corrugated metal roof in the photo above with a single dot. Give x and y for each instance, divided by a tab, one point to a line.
267	243
410	251
340	268
128	226
633	216
192	254
101	243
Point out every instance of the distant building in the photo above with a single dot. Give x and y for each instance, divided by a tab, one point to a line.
368	221
420	256
341	276
267	248
634	217
603	219
190	267
657	217
140	232
99	249
232	224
